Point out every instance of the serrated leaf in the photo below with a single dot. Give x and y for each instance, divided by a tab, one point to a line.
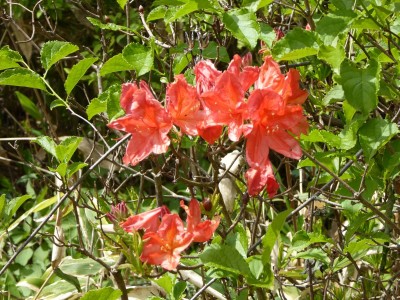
216	256
166	282
54	51
214	51
67	148
296	44
47	144
112	98
330	26
96	106
74	167
28	105
116	63
157	13
267	34
322	136
360	86
243	25
335	93
22	77
375	134
189	7
139	57
9	58
179	289
108	26
77	72
106	293
334	56
315	253
61	169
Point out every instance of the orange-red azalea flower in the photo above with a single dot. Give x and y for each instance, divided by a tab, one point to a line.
148	221
164	247
183	105
259	178
202	230
146	120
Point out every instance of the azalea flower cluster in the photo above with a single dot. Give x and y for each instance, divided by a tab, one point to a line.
165	236
258	103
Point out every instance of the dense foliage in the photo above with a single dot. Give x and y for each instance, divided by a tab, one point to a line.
262	159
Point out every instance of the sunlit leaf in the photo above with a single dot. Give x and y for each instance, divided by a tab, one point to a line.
139	57
54	51
116	63
22	77
28	105
77	73
96	106
107	293
9	58
67	148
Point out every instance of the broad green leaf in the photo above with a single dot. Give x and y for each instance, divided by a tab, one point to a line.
179	289
189	7
375	134
96	106
302	239
365	23
360	86
358	248
57	103
112	96
9	58
272	235
335	93
215	256
254	5
348	136
139	57
47	144
74	167
322	136
334	56
157	13
67	148
2	203
122	3
243	25
15	204
54	51
82	266
61	169
267	34
77	73
297	43
214	51
167	282
22	77
107	293
28	105
24	257
390	160
116	63
314	253
68	278
330	26
351	210
108	26
181	61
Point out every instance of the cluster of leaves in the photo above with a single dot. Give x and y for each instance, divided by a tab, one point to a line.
332	230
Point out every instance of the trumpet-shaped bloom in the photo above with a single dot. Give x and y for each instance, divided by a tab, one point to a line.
165	246
146	120
183	105
148	221
202	230
259	178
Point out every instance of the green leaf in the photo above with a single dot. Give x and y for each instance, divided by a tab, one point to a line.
57	103
24	257
9	58
108	26
256	5
330	26
272	234
166	282
112	96
243	25
214	51
107	293
322	136
74	167
267	34
116	63
67	148
68	278
360	86
139	57
61	169
375	134
96	106
82	266
297	43
335	93
15	204
77	73
179	289
215	256
54	51
157	13
2	204
334	56
47	144
22	77
28	105
315	253
189	7
122	3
